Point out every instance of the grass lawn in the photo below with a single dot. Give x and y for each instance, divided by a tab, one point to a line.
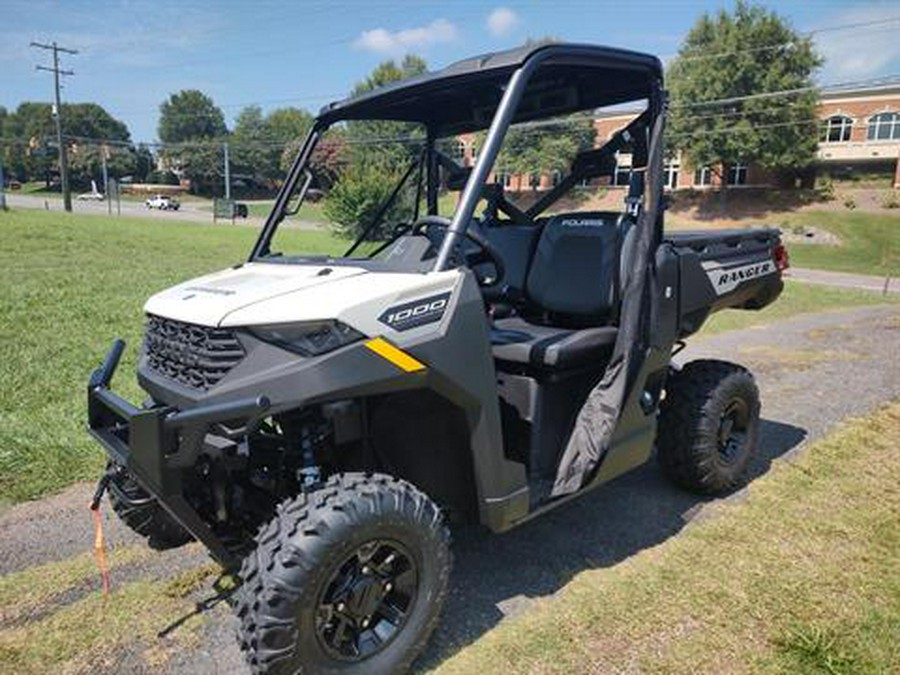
71	283
801	576
797	298
55	619
870	242
311	213
36	188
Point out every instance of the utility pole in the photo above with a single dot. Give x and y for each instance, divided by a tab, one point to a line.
63	156
104	154
227	173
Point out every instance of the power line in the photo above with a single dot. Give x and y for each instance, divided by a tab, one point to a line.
885	80
332	95
57	71
790	43
524	126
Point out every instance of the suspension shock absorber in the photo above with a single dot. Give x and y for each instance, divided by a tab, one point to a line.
309	474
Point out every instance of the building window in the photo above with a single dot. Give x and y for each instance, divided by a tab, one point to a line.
623	175
534	181
703	177
459	150
737	174
836	129
670	177
556	177
884	127
504	179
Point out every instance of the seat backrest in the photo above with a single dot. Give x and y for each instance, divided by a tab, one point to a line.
574	271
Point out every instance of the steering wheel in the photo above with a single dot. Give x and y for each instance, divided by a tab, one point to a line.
487	253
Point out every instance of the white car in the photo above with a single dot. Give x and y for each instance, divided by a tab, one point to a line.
163	203
90	196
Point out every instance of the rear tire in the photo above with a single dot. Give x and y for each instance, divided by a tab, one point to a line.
143	514
347	579
709	426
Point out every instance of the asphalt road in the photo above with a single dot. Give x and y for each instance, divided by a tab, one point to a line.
813	371
865	282
187	211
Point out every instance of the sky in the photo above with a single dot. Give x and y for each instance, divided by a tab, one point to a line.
134	53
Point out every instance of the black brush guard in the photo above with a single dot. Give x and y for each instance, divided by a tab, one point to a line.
146	442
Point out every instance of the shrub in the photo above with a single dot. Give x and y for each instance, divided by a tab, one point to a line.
891	200
850	203
353	202
162	178
826	190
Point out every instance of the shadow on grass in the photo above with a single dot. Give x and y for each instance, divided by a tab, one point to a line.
495	575
739	204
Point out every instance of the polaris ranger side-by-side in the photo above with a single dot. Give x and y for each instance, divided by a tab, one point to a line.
315	421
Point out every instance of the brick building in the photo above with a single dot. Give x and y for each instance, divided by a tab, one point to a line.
860	134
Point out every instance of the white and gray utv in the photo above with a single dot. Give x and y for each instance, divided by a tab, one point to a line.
316	422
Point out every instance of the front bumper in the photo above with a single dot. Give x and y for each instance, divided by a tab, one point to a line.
158	445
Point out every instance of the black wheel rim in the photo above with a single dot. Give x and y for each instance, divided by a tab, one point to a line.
367	600
732	435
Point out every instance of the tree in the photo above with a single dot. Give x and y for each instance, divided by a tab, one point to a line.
190	115
89	120
260	141
355	200
85	126
328	160
546	148
736	55
250	143
31	157
289	124
372	163
391	71
86	162
192	119
371	140
144	163
93	133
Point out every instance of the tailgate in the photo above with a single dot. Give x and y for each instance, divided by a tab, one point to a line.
736	269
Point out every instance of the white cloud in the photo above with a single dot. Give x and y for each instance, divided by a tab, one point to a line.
862	52
383	41
502	21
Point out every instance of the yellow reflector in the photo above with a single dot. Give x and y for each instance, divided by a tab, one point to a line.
396	356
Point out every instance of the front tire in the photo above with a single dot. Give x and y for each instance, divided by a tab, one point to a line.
709	426
347	579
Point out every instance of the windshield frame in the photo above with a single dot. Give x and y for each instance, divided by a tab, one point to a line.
500	123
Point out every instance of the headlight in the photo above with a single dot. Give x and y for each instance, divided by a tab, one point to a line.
310	338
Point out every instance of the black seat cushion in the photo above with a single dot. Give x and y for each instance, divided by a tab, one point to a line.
572	276
517	341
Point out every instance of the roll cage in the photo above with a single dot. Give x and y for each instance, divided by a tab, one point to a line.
494	92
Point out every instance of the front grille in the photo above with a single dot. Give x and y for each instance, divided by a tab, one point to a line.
195	356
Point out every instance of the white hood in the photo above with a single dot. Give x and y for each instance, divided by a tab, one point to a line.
264	293
209	299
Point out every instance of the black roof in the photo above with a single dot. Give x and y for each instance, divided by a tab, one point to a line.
463	96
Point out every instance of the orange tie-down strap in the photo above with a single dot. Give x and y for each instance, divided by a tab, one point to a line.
100	550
